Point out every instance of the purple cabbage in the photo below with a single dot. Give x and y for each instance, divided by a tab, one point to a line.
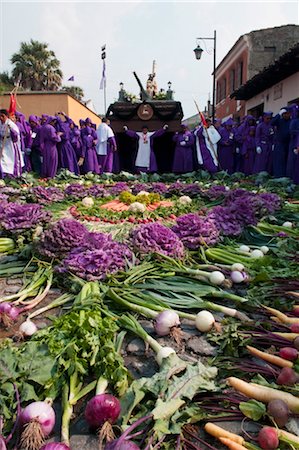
225	221
194	231
215	192
76	190
176	188
95	264
266	203
47	195
21	217
159	188
192	189
154	237
55	446
118	188
98	191
138	187
61	237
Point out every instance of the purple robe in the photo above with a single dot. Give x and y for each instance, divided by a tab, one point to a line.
89	154
248	155
226	149
66	152
207	160
48	146
106	161
75	139
294	143
281	147
183	153
264	139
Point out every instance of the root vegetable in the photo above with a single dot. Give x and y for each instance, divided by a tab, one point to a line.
204	321
38	419
216	277
232	445
287	377
289	353
279	411
268	438
217	432
273	359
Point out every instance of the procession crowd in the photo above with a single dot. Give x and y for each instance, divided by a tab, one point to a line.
48	143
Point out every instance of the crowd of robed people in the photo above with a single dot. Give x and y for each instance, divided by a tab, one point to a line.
48	143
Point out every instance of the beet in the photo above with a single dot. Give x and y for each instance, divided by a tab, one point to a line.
268	438
287	377
279	411
289	353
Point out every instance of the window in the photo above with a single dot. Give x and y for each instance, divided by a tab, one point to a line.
223	89
231	81
218	92
239	74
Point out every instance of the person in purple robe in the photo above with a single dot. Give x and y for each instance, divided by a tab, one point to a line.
25	138
66	152
226	146
295	175
282	141
35	154
88	162
240	136
75	139
145	159
247	152
11	158
183	161
264	140
294	133
49	138
106	146
206	139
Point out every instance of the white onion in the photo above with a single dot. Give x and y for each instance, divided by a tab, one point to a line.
244	248
237	276
216	277
28	328
164	352
165	321
264	249
287	224
238	266
204	321
257	253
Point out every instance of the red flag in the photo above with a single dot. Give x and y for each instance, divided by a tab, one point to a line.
203	120
12	105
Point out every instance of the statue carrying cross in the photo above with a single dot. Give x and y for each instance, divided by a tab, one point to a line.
151	84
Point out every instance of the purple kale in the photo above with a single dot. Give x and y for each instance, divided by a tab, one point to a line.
243	210
98	191
215	192
118	188
195	231
61	237
225	220
176	188
235	194
266	203
76	191
156	238
96	264
94	241
3	197
47	195
191	189
23	217
138	187
159	188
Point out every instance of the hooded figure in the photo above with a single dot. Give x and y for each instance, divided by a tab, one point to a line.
183	152
48	146
292	169
11	158
66	152
248	152
264	140
88	161
35	155
25	138
206	147
282	140
226	146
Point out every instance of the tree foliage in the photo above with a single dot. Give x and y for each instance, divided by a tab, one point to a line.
75	91
37	66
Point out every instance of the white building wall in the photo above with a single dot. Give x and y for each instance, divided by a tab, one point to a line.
277	96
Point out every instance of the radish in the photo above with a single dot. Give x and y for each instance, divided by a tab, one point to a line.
294	327
279	410
38	419
289	353
268	438
287	377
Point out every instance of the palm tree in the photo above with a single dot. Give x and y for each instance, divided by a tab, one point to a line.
75	91
38	67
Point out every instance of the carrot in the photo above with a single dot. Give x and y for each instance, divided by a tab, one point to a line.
264	394
293	294
232	445
284	434
288	336
219	432
276	360
281	316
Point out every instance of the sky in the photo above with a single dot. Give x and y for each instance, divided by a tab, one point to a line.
135	34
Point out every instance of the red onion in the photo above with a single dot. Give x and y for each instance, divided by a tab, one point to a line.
165	321
8	313
54	446
38	419
100	409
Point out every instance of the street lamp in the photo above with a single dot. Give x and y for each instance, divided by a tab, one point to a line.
198	52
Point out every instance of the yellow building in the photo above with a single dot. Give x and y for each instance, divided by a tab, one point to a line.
50	103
